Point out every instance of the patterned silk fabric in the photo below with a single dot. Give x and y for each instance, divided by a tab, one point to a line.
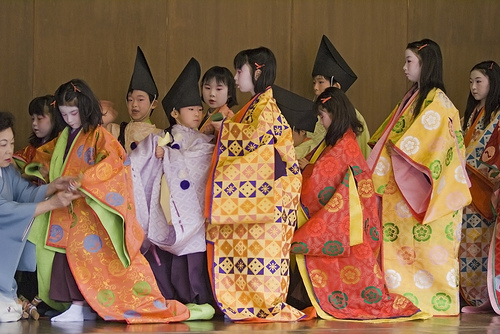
419	171
339	237
490	162
100	233
478	219
252	199
24	156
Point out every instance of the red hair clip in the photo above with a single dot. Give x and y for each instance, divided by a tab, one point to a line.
421	47
75	89
325	99
53	103
257	66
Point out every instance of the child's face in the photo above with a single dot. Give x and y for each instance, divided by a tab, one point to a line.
412	66
320	84
41	125
108	113
479	85
138	105
298	137
71	116
243	79
6	147
189	116
215	94
325	118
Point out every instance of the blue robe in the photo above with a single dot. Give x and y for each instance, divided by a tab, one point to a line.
18	201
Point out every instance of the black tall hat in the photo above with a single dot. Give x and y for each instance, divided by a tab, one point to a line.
185	91
142	79
329	63
298	110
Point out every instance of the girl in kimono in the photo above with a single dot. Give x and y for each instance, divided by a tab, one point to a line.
480	123
89	255
419	175
331	70
252	197
46	123
218	91
338	239
20	201
170	176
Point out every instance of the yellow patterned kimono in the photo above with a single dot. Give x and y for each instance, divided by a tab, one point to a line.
99	233
252	199
419	172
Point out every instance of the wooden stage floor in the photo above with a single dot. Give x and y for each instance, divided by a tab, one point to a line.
466	323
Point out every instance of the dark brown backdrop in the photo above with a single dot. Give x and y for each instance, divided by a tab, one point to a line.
44	43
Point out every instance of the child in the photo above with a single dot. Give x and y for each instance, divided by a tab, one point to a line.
46	123
169	197
480	127
419	172
298	113
219	92
20	201
331	70
91	257
252	198
109	113
341	243
142	99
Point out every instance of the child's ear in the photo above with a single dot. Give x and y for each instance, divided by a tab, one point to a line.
154	104
257	74
174	113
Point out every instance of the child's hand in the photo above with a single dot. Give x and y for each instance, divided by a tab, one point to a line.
208	128
159	152
216	126
226	112
303	162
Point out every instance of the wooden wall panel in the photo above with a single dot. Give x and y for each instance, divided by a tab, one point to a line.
96	41
370	36
16	59
47	42
214	31
467	33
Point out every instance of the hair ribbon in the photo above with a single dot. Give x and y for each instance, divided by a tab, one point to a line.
325	99
53	103
491	66
421	47
75	89
257	66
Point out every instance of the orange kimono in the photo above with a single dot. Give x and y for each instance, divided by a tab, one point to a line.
99	233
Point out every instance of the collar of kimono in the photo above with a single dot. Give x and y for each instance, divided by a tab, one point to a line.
148	120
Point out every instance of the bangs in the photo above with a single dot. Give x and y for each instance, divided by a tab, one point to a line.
240	60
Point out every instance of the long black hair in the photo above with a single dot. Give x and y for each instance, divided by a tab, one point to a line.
78	93
429	55
491	70
334	101
258	59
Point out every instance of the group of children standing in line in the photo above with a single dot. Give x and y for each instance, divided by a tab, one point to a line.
282	211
